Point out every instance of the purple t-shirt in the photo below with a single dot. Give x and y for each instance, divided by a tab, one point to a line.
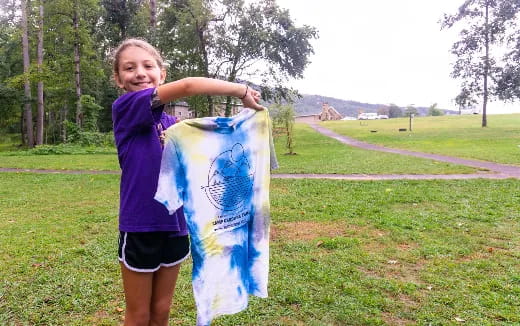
139	151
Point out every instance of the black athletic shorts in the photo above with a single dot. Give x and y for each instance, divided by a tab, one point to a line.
148	251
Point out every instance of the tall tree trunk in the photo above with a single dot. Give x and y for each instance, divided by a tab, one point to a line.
40	116
205	68
64	114
229	106
27	83
153	20
22	129
75	21
486	68
232	77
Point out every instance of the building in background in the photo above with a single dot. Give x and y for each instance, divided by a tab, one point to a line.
329	113
182	110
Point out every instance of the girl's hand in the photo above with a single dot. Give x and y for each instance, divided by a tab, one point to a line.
252	99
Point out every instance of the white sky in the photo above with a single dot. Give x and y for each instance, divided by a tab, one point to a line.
381	51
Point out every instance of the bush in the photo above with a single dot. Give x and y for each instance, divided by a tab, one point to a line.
62	149
87	138
94	138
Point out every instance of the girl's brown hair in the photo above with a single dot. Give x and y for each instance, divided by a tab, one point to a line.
138	43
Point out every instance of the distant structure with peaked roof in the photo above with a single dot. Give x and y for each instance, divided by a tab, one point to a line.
329	113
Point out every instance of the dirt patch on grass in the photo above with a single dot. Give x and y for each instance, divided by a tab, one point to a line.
310	230
478	255
392	320
290	322
307	230
398	270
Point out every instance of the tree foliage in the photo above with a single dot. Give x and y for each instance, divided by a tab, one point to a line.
227	39
488	27
394	111
410	110
433	110
230	40
283	118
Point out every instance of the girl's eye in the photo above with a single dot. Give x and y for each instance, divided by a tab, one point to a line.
129	68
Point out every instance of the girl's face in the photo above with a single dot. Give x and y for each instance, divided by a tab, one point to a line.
138	70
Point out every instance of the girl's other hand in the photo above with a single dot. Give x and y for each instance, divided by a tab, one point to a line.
252	99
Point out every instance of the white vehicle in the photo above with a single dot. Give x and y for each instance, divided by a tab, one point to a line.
348	118
368	116
382	116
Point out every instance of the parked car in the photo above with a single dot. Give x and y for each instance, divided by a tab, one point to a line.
368	116
382	116
349	118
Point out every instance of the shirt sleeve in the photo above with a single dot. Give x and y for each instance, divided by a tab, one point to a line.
133	111
171	185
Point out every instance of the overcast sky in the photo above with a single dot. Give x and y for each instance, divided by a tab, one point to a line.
380	51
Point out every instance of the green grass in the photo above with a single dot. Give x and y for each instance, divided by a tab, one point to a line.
62	157
9	142
320	154
107	162
315	154
342	253
460	136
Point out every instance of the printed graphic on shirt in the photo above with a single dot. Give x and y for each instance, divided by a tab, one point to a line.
230	183
230	179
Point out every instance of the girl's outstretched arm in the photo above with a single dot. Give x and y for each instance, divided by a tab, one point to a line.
206	86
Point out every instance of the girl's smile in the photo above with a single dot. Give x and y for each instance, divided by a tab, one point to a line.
138	70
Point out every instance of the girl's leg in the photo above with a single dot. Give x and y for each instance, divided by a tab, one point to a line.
164	281
138	295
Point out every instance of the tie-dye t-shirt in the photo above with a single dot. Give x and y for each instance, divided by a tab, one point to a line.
219	169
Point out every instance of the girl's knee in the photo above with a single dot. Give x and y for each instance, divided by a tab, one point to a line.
160	317
160	312
137	318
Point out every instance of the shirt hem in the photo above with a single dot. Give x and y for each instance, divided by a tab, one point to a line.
168	228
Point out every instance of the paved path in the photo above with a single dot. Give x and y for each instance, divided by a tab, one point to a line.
492	170
497	171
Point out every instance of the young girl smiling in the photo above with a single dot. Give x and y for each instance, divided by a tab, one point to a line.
152	243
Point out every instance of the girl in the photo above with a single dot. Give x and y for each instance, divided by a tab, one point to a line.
152	243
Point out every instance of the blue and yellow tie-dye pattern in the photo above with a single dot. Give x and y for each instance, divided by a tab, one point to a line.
219	169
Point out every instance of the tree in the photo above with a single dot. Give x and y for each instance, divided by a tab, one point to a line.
478	62
40	107
153	19
508	84
434	111
394	111
70	28
261	40
410	109
384	110
185	38
283	119
118	20
27	84
91	113
235	41
11	97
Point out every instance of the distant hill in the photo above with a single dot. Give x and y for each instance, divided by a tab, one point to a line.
311	104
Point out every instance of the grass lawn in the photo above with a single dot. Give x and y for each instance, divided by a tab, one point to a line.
317	153
100	162
9	142
342	253
460	136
